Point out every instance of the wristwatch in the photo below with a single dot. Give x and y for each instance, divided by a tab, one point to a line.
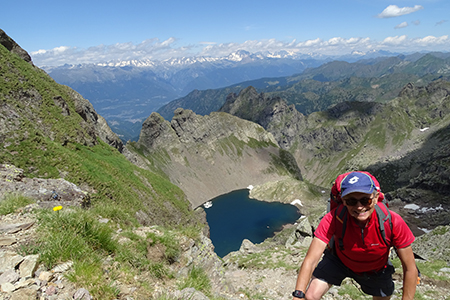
298	294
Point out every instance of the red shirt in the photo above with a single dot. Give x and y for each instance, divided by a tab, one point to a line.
364	248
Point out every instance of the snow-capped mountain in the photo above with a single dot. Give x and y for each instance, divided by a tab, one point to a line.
131	90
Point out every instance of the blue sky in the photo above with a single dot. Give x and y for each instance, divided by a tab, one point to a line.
58	32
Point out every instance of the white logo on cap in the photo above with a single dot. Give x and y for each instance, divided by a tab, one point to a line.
353	180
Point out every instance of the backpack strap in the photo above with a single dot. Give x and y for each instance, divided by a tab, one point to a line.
384	215
340	215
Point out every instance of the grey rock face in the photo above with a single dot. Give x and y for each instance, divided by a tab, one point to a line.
207	156
47	192
13	47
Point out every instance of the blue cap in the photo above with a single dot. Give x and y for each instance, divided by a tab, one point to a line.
357	182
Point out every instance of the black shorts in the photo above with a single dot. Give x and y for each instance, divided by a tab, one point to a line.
331	270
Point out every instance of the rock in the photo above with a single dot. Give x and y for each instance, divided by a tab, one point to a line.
82	294
13	47
302	236
46	276
10	276
9	260
51	290
247	247
14	228
48	192
24	294
304	228
7	287
62	267
23	282
29	266
189	293
6	241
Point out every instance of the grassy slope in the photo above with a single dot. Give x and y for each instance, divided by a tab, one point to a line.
47	144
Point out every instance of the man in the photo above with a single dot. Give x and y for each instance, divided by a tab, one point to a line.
364	255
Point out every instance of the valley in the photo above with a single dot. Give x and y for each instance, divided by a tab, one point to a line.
140	231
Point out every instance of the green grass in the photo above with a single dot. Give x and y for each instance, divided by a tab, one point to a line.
431	269
270	258
255	295
351	288
76	235
46	144
12	202
72	234
197	279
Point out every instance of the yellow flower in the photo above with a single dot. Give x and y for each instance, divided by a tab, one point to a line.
56	208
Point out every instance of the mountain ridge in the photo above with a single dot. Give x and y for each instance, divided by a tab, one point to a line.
317	88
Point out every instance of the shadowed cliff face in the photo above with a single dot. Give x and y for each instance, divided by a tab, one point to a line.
207	156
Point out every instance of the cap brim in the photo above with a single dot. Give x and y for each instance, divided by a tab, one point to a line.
357	190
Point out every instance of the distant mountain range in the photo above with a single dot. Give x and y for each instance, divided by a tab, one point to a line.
126	92
378	79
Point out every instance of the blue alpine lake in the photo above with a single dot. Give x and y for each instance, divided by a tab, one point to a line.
234	217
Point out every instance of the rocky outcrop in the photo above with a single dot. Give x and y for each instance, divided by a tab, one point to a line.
273	113
46	192
13	47
207	156
29	98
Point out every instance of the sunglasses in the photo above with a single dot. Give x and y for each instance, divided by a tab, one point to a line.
364	201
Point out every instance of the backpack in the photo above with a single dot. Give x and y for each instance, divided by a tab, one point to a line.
335	194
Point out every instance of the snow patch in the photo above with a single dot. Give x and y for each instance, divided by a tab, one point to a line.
250	187
424	129
412	206
297	201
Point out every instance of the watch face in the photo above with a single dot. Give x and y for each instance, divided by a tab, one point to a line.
298	294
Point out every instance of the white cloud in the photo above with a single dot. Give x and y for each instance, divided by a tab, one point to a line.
152	49
156	50
401	25
394	40
394	11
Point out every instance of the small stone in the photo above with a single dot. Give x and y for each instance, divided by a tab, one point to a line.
25	283
7	241
7	287
51	290
82	294
46	276
24	294
29	265
9	276
62	267
9	260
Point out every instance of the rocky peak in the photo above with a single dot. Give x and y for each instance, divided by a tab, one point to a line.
13	47
207	156
187	127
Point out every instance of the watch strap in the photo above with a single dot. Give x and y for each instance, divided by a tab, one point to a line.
298	294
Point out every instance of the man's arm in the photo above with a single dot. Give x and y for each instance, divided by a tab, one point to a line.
410	274
313	256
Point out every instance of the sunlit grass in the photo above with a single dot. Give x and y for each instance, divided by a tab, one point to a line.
11	202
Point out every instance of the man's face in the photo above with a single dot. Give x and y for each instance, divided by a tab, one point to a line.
360	205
